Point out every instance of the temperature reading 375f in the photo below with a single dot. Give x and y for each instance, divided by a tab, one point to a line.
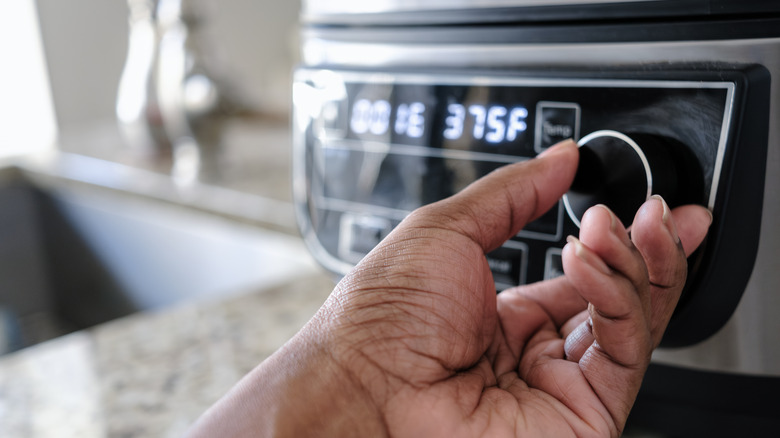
496	124
491	123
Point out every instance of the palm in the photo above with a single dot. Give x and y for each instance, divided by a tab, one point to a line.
454	359
483	371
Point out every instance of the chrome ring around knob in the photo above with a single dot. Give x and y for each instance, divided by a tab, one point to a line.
645	164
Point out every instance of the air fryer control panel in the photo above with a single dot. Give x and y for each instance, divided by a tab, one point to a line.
370	147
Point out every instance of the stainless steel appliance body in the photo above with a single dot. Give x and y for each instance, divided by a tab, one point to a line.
400	105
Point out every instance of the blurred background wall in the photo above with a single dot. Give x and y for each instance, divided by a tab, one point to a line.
85	42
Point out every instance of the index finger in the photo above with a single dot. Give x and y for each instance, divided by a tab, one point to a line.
496	207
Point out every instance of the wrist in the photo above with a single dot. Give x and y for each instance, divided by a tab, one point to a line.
301	390
315	395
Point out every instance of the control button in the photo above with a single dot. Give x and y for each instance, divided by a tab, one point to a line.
622	171
553	263
547	227
555	122
359	234
508	265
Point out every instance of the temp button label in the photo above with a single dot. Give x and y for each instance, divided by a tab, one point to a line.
555	122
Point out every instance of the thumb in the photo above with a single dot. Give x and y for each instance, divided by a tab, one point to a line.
495	207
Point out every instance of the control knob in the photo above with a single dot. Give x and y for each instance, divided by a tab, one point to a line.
622	171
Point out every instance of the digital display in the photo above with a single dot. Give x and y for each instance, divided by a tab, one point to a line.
375	118
495	123
379	145
495	120
401	145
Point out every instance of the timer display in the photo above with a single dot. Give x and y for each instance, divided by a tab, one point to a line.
478	118
495	123
375	117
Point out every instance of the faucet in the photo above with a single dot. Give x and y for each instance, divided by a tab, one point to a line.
171	109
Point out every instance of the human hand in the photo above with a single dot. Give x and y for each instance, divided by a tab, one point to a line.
415	341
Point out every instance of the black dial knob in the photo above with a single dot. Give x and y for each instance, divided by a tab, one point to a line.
622	170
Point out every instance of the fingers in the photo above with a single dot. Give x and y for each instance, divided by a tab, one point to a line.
603	233
617	297
580	338
632	286
665	239
525	310
556	297
606	236
653	261
613	345
495	207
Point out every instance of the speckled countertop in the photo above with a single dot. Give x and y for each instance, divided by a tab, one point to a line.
149	374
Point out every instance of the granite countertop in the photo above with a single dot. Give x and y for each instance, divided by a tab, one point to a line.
149	374
153	373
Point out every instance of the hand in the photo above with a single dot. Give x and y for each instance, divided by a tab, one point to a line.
415	341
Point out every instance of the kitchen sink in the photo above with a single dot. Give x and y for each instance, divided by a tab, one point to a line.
73	256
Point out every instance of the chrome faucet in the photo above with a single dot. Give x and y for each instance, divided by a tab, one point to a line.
170	107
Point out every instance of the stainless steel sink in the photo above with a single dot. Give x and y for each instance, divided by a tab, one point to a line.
73	256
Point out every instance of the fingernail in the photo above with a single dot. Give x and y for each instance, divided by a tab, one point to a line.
587	256
557	148
666	218
615	226
613	220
